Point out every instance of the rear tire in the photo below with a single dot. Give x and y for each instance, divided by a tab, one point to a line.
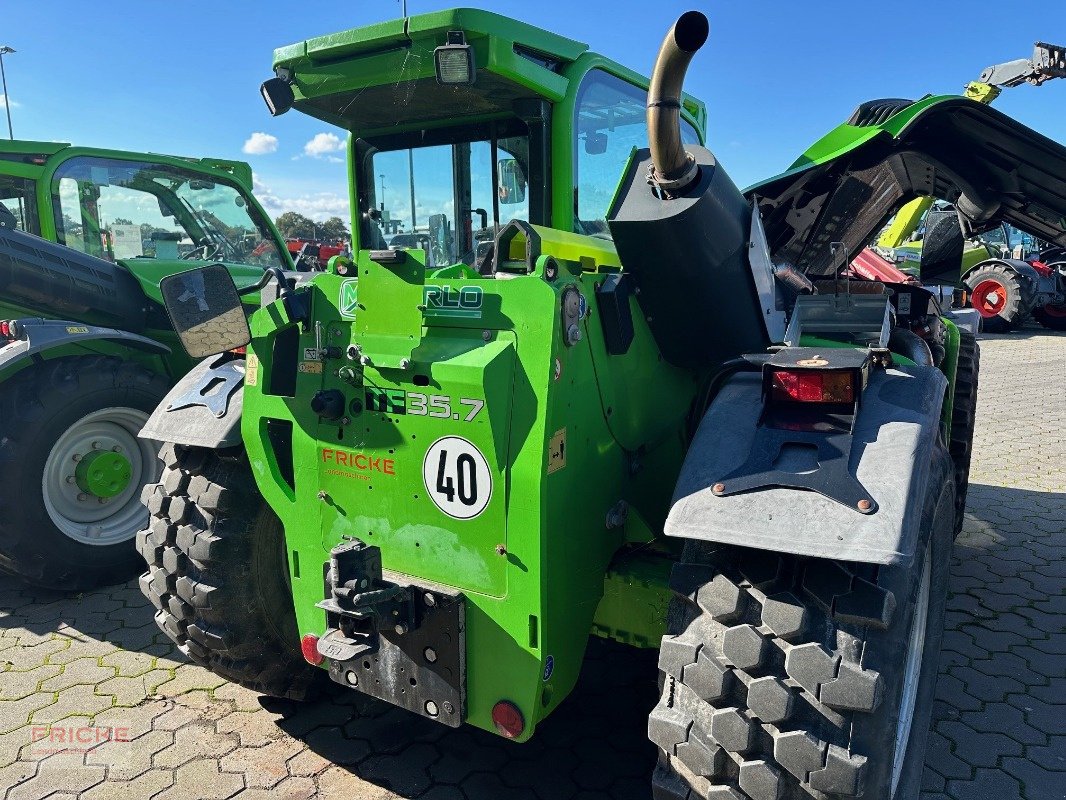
1051	317
218	574
54	532
963	419
1000	297
786	677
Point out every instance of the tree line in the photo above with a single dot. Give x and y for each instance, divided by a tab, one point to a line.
293	225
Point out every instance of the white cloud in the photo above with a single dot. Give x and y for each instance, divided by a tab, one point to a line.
259	144
3	102
319	206
322	144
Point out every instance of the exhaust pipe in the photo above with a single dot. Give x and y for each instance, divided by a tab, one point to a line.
675	168
684	240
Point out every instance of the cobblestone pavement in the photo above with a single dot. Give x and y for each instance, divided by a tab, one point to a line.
1000	719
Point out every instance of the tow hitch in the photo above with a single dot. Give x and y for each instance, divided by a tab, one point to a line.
392	640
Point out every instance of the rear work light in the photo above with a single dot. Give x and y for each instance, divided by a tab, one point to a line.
813	386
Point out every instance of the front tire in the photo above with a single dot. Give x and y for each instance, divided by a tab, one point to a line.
788	678
72	467
963	419
218	574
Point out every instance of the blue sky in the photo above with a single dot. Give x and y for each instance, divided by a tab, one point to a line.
183	77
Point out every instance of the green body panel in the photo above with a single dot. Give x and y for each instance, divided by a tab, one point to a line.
583	447
532	564
39	162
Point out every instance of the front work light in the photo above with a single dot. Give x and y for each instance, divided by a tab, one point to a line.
455	61
278	95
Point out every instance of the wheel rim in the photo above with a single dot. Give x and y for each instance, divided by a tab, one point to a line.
1056	311
93	475
989	297
913	671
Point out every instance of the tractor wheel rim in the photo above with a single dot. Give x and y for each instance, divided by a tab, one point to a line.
989	297
913	671
1057	311
84	506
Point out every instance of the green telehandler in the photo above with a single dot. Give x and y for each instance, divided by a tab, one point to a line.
86	349
610	394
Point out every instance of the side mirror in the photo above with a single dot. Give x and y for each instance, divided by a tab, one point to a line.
941	260
512	182
206	310
595	143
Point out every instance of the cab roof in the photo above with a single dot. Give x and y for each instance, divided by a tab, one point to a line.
383	77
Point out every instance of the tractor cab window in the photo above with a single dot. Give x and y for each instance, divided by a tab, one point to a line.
18	208
448	194
610	121
116	209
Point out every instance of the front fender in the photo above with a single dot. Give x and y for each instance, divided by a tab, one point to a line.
1021	268
891	448
204	408
37	336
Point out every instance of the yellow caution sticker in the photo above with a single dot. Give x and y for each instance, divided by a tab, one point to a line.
311	367
251	370
77	329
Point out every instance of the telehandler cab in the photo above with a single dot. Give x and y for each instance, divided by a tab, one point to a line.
609	395
86	349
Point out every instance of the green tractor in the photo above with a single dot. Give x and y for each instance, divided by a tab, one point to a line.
610	394
86	348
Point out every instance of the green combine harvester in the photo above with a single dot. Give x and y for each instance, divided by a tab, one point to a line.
86	349
610	395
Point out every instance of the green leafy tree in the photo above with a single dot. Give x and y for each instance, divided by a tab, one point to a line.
333	229
295	226
122	221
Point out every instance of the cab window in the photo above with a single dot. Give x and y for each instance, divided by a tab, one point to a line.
610	122
17	206
449	195
116	209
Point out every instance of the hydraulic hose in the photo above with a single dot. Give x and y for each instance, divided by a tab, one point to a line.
675	169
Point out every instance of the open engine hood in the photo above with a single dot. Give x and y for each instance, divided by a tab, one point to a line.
849	183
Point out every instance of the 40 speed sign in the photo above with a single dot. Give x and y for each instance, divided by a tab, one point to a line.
457	477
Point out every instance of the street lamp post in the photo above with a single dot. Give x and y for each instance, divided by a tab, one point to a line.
4	50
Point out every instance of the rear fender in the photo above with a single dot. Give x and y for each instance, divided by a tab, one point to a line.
37	336
891	447
204	408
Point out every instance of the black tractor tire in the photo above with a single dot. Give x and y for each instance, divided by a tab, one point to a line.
1016	301
783	675
1051	317
218	572
40	407
963	419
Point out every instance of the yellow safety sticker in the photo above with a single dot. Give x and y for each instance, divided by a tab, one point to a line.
77	329
311	367
251	370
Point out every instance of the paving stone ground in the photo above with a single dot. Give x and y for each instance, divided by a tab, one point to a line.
97	661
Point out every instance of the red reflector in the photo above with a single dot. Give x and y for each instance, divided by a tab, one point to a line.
508	719
309	647
5	328
813	386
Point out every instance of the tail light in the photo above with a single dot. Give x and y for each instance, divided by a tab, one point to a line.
813	386
309	648
5	328
508	719
10	329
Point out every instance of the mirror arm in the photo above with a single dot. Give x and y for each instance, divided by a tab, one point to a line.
268	273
